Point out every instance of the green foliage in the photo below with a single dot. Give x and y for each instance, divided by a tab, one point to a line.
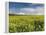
26	23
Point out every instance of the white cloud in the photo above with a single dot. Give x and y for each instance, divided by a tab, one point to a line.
27	10
38	10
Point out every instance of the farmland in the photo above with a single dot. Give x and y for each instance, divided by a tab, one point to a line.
26	23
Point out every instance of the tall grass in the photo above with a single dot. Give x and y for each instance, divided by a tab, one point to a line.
26	23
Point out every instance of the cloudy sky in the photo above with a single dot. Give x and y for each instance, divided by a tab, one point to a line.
29	8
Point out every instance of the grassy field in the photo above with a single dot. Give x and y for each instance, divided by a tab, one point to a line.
27	23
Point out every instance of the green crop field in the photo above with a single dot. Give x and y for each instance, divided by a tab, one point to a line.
26	23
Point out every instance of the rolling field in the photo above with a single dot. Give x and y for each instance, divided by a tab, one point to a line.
26	23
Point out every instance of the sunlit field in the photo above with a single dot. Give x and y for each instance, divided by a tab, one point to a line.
26	23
